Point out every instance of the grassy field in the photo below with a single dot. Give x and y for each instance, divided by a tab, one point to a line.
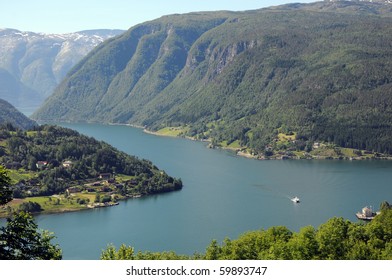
122	178
49	204
233	145
285	137
18	175
348	152
172	131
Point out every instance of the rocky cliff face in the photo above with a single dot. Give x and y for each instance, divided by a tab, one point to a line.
38	62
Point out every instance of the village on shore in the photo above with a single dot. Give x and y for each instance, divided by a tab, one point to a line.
283	147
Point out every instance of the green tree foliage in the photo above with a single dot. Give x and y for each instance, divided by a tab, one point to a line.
213	251
5	191
106	199
304	245
123	253
128	253
97	198
20	239
337	239
31	207
331	238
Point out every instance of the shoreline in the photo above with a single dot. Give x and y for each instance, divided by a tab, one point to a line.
50	212
279	156
65	210
239	151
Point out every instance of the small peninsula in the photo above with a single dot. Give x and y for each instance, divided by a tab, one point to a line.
55	169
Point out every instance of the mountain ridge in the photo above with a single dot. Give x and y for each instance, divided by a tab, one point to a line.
244	76
39	61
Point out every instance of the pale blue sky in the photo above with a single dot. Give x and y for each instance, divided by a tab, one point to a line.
53	16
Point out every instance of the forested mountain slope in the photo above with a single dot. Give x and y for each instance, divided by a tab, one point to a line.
321	71
9	115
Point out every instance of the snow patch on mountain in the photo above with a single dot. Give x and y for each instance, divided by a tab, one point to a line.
40	61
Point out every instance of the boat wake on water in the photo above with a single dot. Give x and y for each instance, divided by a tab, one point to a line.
294	199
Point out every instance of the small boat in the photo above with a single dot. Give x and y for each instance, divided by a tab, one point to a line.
367	214
295	199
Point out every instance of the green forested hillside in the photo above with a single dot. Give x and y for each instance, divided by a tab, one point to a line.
49	160
10	115
320	71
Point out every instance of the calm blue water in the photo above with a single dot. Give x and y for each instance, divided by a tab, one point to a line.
223	196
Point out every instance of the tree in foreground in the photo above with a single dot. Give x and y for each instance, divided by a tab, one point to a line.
5	192
20	239
336	239
128	253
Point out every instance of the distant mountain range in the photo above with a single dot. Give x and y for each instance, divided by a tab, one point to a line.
368	1
321	71
33	64
10	115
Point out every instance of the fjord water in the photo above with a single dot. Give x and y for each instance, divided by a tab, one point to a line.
223	196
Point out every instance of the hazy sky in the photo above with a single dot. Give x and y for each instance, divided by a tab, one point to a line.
53	16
